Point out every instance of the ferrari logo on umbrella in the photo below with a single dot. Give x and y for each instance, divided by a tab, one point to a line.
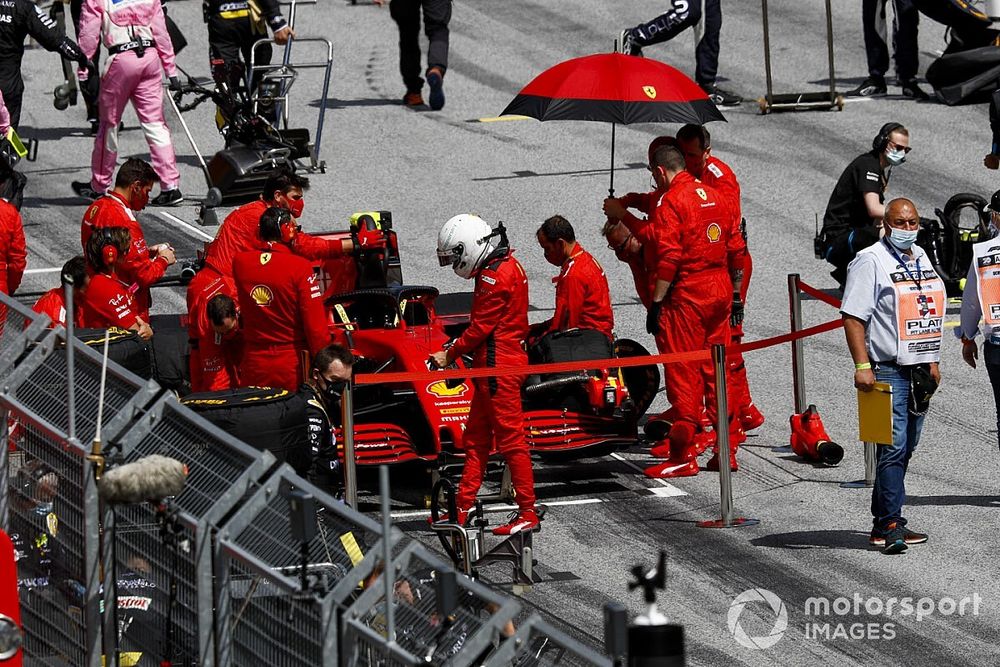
650	92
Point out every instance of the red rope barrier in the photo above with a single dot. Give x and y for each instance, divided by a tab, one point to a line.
590	364
818	294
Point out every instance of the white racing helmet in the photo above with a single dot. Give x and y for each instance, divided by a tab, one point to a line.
464	242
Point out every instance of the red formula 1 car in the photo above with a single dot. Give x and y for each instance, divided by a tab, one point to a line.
393	327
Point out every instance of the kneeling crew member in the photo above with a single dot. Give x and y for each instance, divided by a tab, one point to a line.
217	351
582	297
495	338
53	302
856	207
284	322
108	301
331	371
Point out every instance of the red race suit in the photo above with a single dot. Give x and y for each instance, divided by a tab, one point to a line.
13	253
284	322
718	175
139	268
582	297
53	304
644	268
214	359
495	338
695	250
107	303
240	232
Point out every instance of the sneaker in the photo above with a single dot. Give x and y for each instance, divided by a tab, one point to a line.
672	469
462	519
168	198
722	98
84	189
870	87
914	91
751	418
413	99
435	80
518	522
630	46
713	463
910	537
895	540
661	451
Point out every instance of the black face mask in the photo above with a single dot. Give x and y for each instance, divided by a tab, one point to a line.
333	391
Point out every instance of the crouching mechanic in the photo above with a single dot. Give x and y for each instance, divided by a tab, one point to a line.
893	310
284	322
495	338
215	339
108	301
582	297
330	373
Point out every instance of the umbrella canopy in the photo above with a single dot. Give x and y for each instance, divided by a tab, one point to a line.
614	88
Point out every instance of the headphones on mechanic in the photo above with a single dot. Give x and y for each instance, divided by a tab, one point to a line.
881	139
280	224
108	252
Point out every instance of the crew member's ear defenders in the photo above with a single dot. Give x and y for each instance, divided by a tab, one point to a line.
287	225
881	140
109	251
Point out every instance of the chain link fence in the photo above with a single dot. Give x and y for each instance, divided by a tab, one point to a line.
249	565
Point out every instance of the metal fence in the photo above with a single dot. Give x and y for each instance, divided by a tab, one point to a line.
248	565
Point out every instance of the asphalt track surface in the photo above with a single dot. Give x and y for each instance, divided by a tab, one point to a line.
427	166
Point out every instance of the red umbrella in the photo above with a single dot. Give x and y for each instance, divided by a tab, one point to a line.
614	88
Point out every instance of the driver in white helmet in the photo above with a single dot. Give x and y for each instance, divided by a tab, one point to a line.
495	339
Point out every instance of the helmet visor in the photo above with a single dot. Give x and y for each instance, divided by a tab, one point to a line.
450	257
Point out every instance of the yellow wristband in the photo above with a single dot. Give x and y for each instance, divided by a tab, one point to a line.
863	367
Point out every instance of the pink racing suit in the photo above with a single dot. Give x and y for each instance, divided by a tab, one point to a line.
135	34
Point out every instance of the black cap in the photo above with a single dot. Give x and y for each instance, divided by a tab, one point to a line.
994	204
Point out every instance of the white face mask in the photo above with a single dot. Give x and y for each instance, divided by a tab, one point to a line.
902	238
895	158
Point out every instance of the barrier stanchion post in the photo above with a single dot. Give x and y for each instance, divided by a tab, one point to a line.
388	572
798	364
869	480
350	465
70	367
722	438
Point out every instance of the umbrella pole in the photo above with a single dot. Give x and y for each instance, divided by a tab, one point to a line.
611	190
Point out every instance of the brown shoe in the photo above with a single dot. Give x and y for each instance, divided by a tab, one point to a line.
413	99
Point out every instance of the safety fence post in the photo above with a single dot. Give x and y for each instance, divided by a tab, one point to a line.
798	363
350	465
70	368
388	572
722	439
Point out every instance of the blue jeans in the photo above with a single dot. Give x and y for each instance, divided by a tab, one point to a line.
991	359
889	491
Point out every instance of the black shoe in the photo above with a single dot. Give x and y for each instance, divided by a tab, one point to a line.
910	537
435	81
870	87
895	540
83	189
630	46
168	198
913	91
722	98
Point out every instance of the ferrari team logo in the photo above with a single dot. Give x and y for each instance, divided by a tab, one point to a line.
265	257
702	194
262	295
441	390
650	92
714	232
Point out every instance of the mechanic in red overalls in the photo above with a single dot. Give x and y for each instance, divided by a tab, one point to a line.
629	249
214	342
239	231
695	143
13	252
284	322
692	298
108	301
53	302
582	297
495	338
141	265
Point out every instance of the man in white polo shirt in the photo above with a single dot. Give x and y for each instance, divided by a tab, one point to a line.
893	310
